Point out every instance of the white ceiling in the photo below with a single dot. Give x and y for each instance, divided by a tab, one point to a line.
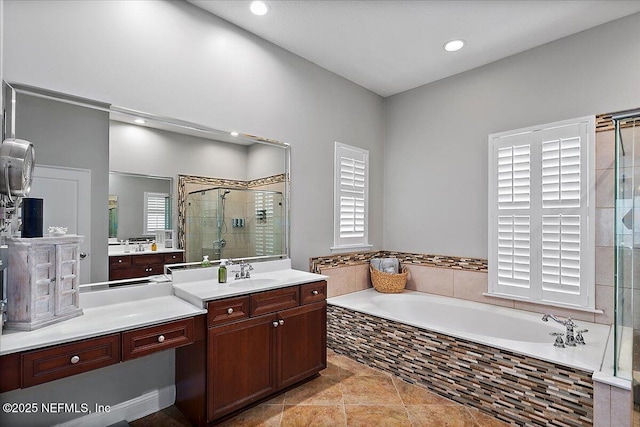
393	46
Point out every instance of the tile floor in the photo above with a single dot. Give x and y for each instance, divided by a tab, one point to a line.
347	393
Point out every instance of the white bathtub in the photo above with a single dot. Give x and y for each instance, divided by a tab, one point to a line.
508	329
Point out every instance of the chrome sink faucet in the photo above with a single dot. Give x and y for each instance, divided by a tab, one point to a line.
245	268
570	338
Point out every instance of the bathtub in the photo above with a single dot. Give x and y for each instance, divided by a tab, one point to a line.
499	360
500	327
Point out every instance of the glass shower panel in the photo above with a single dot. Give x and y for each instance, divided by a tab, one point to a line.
627	248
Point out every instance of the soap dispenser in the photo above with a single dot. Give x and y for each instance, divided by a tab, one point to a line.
222	271
205	261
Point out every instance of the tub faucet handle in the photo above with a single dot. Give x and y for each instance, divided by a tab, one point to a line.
559	342
579	337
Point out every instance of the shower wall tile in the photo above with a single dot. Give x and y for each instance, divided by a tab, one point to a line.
604	302
604	226
601	404
432	280
605	150
604	265
620	407
605	188
471	285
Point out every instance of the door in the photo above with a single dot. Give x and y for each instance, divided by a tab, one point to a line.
241	364
302	339
67	203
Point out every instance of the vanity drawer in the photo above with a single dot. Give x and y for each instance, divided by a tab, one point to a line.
142	342
173	258
227	310
118	262
278	299
149	260
41	366
313	292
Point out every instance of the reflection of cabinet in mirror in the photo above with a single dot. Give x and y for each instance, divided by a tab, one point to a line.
132	266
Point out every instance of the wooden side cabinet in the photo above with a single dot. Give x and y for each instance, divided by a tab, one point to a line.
43	281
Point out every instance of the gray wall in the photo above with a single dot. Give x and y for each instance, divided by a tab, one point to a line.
175	60
130	191
436	135
77	137
148	151
264	160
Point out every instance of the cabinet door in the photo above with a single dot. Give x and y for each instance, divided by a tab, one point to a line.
43	280
68	277
241	364
302	339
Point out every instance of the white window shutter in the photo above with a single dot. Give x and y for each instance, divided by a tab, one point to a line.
154	212
541	213
351	196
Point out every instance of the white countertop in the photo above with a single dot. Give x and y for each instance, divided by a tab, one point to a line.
105	312
198	292
120	251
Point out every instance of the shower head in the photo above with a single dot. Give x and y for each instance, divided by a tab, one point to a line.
224	195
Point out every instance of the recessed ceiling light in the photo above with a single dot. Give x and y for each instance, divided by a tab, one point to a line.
259	7
453	45
139	121
234	133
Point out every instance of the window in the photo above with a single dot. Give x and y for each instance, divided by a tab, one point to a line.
351	194
265	223
541	214
156	210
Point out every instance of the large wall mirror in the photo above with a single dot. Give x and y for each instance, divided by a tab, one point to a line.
132	176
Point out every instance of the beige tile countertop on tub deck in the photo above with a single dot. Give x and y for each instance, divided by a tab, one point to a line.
105	312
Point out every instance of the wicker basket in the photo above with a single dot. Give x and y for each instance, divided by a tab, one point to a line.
389	283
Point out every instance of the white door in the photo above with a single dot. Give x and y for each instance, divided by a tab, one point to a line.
67	203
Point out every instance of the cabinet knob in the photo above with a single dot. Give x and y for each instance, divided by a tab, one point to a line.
75	359
119	260
275	324
161	338
314	292
229	310
281	322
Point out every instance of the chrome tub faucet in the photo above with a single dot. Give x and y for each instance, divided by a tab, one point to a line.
570	339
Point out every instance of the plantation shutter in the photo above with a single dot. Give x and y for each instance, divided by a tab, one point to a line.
541	232
351	192
265	223
154	212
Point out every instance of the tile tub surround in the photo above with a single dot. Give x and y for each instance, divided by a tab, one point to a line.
513	388
463	278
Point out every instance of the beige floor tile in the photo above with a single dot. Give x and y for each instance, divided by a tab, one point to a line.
485	420
440	416
376	415
313	415
319	391
369	390
353	367
260	416
416	395
333	369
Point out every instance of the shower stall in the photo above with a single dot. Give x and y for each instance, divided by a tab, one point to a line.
227	223
627	250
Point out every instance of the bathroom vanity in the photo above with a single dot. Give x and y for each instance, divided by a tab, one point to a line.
260	336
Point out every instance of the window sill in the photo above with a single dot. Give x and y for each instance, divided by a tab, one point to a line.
350	248
547	303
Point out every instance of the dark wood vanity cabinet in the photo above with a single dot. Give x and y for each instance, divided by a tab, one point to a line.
143	265
256	345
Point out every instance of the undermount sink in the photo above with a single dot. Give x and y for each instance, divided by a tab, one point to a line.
253	282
